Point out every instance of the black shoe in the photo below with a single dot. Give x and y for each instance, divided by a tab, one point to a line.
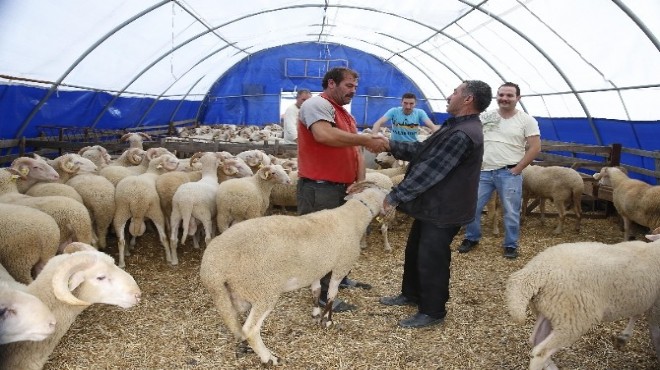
510	252
350	283
467	245
339	305
399	300
420	320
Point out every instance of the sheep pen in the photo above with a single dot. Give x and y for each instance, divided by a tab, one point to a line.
176	325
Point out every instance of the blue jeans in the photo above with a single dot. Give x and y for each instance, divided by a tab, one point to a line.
509	189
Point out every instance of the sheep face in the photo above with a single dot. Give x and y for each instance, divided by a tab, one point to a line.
35	168
23	317
385	159
274	173
103	282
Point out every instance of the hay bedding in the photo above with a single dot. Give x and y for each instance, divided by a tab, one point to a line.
176	325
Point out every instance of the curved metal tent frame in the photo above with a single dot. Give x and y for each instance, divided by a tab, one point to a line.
324	34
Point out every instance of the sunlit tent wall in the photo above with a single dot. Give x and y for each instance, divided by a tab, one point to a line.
589	70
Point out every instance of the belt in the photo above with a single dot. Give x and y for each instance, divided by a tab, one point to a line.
304	179
507	167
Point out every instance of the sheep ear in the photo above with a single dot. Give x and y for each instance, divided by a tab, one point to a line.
266	174
23	170
76	279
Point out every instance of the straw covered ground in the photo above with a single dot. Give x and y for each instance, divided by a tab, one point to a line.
176	325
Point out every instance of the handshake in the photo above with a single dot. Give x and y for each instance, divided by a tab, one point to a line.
377	143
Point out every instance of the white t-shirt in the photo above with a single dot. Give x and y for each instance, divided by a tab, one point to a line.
290	123
504	139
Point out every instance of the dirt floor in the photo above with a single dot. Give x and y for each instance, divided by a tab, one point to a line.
176	325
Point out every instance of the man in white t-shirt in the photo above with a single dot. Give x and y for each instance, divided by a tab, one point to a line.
507	132
290	118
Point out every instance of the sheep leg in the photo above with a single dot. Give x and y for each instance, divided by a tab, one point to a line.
386	242
175	219
316	294
557	339
252	331
626	228
542	208
561	210
333	288
155	214
577	209
622	339
120	224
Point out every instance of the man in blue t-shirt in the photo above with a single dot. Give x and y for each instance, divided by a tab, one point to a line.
405	120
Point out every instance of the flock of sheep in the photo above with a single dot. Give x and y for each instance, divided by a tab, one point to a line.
49	274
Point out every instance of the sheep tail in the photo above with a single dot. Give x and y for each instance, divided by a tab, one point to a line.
137	226
520	289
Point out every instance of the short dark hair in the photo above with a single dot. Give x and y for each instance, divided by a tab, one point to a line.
303	91
511	84
408	95
338	74
481	93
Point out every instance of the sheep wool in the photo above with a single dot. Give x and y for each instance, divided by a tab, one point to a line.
596	283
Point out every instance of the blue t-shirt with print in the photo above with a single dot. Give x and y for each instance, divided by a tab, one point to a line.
405	127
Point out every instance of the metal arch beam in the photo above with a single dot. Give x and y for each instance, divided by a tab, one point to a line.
552	62
177	80
176	110
638	22
57	83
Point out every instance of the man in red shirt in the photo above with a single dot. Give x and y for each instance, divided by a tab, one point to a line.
329	154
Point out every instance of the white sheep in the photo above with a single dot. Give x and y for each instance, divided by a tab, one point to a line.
385	221
248	197
195	202
574	286
28	239
68	285
285	195
136	198
98	196
72	217
23	317
40	179
129	157
117	173
135	139
252	263
634	200
97	154
561	184
254	158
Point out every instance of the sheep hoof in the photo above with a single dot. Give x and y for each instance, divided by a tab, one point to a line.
272	361
243	349
620	341
325	323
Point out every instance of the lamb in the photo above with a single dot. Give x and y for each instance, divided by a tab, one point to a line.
136	199
98	196
246	198
561	184
39	179
130	157
72	218
135	139
68	284
255	261
117	173
22	315
28	239
596	283
97	154
193	202
254	158
634	200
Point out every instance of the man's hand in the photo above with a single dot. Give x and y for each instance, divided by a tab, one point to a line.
378	143
388	209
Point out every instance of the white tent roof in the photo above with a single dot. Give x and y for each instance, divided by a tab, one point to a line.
572	58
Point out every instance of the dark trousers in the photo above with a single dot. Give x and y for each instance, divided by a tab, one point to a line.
426	267
311	197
